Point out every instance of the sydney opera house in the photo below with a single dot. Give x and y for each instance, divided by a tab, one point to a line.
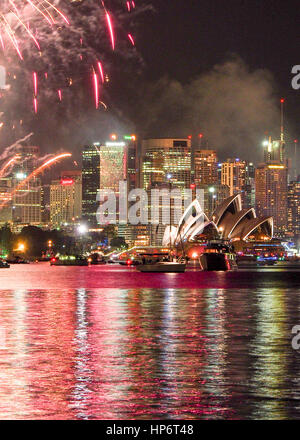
229	222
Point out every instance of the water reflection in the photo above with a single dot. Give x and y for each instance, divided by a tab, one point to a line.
145	353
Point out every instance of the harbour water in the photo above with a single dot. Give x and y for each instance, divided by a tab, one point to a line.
107	342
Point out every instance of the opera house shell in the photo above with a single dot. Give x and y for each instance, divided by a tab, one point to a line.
229	221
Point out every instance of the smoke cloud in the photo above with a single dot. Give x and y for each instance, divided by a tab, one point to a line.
233	106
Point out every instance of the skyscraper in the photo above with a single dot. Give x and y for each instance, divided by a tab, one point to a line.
113	164
166	164
248	191
274	151
27	199
205	166
271	194
294	208
66	198
90	182
162	157
233	174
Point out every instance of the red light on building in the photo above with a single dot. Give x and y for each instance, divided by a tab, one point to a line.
190	136
192	185
200	135
66	181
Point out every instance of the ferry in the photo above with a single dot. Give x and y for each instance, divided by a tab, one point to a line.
160	263
68	260
218	256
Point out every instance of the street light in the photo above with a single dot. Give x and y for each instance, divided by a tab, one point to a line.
82	229
21	247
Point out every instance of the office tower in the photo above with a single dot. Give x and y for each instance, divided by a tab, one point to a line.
233	174
90	182
274	151
133	165
27	201
166	164
5	190
271	185
113	164
162	157
271	194
205	167
66	199
27	195
248	191
294	208
46	204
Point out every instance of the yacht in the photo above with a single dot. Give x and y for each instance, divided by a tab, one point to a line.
160	263
219	257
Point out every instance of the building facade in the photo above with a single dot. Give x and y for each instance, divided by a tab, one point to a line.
166	165
66	199
271	194
205	167
233	174
90	182
294	208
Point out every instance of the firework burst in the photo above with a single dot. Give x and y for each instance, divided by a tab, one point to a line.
54	45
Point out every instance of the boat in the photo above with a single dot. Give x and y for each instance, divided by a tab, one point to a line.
67	260
160	262
163	267
4	264
218	257
17	260
95	259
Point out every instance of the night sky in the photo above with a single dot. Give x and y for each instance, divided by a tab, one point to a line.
185	38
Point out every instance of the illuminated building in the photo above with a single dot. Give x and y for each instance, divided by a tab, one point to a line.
271	179
27	198
229	221
27	201
205	166
166	164
166	156
271	194
5	189
248	191
104	166
294	208
66	198
274	151
233	174
90	183
133	165
113	164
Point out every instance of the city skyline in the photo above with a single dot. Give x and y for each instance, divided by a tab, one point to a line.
149	213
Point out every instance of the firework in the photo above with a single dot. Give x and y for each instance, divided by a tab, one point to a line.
62	41
35	173
8	165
